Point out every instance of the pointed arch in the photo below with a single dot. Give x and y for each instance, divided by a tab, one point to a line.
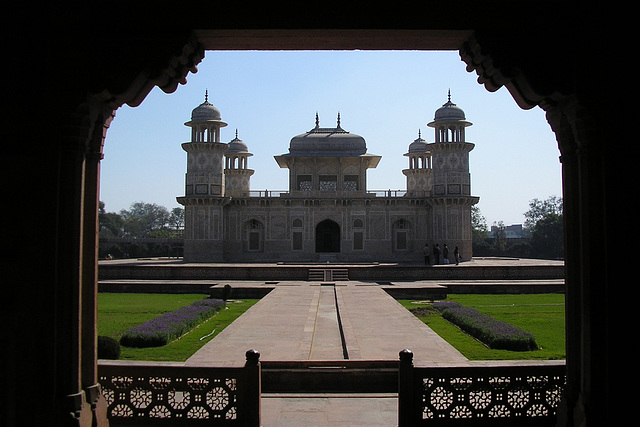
327	236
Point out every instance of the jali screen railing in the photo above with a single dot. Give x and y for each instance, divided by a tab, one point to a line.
174	394
485	395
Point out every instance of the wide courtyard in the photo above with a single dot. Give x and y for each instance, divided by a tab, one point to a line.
313	323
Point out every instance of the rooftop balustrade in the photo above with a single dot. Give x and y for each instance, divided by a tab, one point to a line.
327	193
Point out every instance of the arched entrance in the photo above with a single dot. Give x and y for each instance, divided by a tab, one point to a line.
68	238
327	236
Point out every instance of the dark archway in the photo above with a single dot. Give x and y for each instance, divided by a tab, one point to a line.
327	236
537	67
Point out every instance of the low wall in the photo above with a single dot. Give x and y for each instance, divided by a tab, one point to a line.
342	376
301	272
489	394
172	393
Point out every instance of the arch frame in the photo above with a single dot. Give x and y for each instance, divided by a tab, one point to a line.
122	69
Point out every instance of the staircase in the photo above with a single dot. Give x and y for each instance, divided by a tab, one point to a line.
328	274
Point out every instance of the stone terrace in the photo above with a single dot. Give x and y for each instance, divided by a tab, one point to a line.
483	275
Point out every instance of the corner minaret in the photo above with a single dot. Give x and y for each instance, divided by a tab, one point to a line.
204	197
205	122
419	174
237	174
450	151
205	152
451	194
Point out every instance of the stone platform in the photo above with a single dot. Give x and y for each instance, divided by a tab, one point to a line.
410	281
476	269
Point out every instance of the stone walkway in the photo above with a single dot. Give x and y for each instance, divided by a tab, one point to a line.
330	410
299	321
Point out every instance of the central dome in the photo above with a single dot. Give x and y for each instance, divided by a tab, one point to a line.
328	142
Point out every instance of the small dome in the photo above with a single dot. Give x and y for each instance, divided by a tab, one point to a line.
419	145
449	112
236	145
205	112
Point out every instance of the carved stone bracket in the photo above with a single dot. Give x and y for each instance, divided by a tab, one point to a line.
498	63
166	65
108	85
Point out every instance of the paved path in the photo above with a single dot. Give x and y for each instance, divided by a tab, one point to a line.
330	410
299	321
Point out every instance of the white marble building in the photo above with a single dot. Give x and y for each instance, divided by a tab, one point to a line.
328	213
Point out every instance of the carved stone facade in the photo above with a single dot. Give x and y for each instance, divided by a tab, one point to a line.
328	213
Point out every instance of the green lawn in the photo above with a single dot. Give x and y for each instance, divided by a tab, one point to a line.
118	312
540	314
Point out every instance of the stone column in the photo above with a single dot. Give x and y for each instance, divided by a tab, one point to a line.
587	260
89	289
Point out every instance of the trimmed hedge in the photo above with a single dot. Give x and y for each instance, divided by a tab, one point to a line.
108	348
493	333
161	330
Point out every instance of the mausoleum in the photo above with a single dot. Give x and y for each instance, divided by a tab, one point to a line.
328	212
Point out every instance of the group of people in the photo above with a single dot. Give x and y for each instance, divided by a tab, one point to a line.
437	252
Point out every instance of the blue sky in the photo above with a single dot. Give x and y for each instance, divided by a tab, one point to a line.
386	97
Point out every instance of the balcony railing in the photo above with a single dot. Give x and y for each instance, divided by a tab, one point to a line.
488	395
156	393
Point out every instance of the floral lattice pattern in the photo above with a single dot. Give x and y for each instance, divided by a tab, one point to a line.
170	392
500	392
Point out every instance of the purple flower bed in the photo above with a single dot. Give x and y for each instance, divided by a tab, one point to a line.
168	326
492	332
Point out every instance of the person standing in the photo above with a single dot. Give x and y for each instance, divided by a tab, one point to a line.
436	255
425	250
456	254
445	254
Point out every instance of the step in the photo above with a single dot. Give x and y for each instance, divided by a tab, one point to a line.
328	274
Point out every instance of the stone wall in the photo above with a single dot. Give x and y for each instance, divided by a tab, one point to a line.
371	229
301	272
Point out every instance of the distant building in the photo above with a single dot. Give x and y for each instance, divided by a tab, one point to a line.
328	213
514	231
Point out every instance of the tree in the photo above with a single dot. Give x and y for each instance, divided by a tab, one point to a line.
480	234
538	209
142	219
544	221
111	224
547	238
478	224
500	236
176	218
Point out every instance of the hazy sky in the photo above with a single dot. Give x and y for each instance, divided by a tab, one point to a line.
386	97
